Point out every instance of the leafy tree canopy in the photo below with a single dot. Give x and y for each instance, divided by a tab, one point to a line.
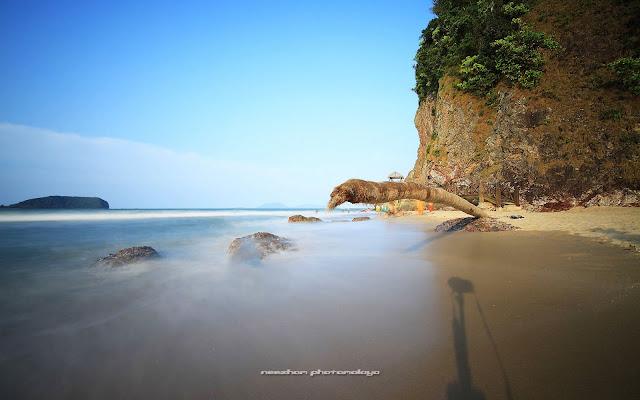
628	73
482	42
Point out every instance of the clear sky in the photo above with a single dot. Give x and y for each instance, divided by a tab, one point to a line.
205	104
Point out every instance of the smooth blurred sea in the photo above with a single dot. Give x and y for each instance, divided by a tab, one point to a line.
194	324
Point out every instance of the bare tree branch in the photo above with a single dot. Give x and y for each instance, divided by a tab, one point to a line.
359	191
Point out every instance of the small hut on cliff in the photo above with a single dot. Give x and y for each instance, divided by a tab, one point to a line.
395	175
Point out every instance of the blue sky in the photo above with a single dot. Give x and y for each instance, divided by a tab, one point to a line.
205	104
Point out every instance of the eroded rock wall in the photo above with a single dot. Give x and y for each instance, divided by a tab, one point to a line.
550	151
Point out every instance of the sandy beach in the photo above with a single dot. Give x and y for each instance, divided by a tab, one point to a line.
616	225
536	313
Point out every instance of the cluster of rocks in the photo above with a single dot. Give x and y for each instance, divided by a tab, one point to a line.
592	198
471	224
128	256
617	198
257	245
261	244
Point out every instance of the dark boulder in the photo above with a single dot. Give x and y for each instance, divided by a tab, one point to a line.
259	245
128	256
356	219
300	218
472	224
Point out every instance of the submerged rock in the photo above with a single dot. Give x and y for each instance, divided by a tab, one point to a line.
472	224
128	256
259	245
356	219
301	218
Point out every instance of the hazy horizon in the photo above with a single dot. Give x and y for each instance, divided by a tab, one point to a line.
218	104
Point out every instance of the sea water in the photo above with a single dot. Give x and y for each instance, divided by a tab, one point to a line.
195	324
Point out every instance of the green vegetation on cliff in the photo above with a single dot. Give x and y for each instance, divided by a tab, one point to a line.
68	202
628	73
481	42
498	106
484	42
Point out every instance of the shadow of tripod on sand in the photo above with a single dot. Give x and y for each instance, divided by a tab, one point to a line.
463	389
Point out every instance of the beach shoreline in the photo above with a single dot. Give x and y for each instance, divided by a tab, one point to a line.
619	226
514	314
548	315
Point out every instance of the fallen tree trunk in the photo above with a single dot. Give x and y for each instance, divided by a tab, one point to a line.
359	191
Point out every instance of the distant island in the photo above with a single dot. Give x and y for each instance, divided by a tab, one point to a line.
65	202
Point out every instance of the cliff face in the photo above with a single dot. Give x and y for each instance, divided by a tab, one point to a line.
574	138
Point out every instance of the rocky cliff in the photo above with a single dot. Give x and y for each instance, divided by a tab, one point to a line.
574	138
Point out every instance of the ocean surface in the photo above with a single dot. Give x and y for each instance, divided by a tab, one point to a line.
195	324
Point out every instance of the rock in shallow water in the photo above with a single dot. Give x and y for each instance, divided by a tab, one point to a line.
301	218
356	219
259	245
472	224
128	256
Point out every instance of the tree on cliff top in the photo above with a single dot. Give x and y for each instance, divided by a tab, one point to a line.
481	42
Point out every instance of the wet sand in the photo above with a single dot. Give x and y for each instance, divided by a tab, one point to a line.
617	225
509	315
532	315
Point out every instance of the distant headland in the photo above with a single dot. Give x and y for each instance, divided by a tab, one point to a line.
66	202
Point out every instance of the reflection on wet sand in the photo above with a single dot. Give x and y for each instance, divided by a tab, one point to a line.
554	317
463	389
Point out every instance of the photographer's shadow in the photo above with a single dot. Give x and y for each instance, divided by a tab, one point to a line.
462	388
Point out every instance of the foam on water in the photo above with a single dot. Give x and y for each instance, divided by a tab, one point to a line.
194	319
107	215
